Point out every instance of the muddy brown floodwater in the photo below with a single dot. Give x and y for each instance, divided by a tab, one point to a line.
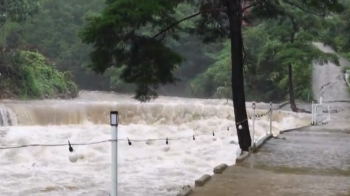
309	162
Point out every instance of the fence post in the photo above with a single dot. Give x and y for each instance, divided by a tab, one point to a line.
270	117
312	113
114	165
253	126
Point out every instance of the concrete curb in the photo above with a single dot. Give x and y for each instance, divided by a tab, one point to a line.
242	157
261	142
220	168
202	180
187	190
295	129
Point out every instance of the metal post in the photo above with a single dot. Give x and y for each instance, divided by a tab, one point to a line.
253	126
270	117
312	113
114	165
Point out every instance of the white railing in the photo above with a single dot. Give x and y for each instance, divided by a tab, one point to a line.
318	116
253	118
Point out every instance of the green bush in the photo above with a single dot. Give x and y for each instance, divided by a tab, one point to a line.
34	77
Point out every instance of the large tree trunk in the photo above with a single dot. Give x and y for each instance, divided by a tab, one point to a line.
234	12
293	106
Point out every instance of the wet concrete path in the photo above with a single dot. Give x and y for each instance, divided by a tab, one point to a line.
314	161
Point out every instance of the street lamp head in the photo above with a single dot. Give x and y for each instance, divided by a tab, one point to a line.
114	118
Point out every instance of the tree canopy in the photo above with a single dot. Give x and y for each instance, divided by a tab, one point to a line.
52	31
118	36
118	40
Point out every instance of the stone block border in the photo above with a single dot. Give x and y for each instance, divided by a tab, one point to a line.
220	168
289	130
202	180
261	142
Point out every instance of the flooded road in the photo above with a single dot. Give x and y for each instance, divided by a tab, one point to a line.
315	152
309	162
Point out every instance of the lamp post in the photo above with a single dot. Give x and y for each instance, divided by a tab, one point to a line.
114	137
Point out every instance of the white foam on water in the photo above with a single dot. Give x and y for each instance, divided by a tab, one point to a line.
145	168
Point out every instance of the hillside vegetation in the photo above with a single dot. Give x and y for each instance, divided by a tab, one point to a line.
43	56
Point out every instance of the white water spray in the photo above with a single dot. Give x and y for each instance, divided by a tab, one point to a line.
148	167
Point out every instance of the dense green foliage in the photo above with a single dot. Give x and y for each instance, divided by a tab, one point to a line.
271	46
17	10
38	78
53	33
51	28
339	32
27	74
269	52
130	36
267	78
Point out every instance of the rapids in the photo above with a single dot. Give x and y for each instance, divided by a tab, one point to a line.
145	168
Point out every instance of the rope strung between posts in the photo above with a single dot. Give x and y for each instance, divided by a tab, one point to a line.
193	137
259	116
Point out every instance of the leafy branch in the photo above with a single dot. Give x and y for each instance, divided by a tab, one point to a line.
186	18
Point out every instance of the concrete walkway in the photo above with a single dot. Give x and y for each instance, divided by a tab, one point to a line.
310	162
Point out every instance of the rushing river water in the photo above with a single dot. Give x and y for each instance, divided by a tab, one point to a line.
145	168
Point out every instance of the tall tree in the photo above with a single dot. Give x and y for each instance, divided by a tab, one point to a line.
117	41
289	45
